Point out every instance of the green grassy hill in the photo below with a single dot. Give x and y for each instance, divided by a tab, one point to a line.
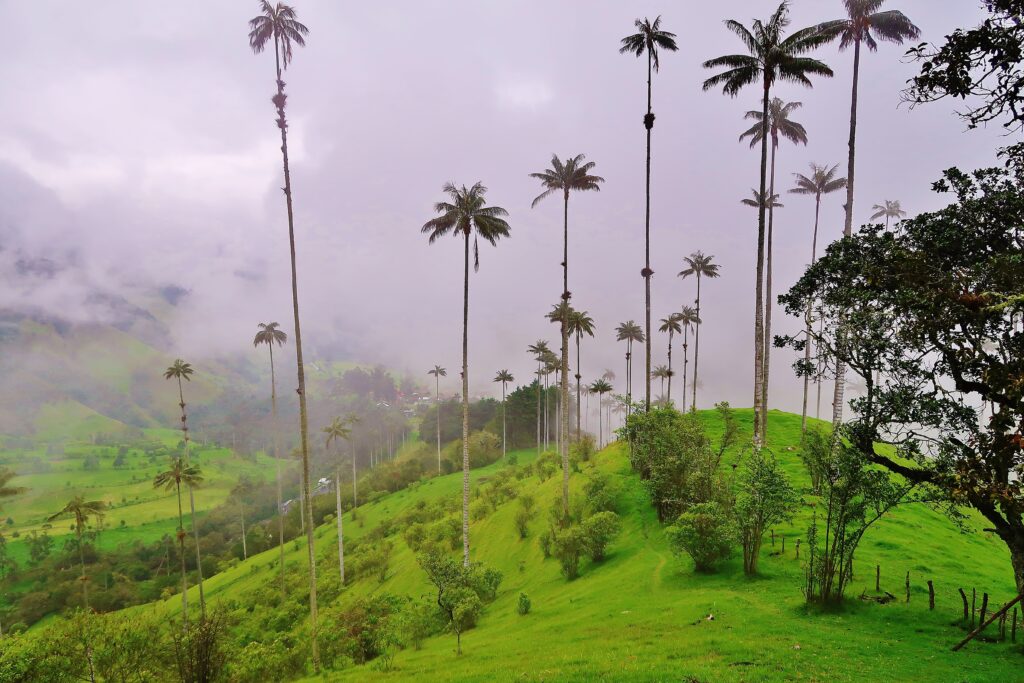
644	615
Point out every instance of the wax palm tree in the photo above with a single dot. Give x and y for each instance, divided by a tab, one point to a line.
181	370
671	326
550	364
6	490
600	387
822	181
438	372
660	372
82	510
888	210
278	24
561	313
771	56
580	323
780	125
538	350
464	216
503	376
269	334
700	266
339	430
648	39
574	175
862	25
687	319
629	332
239	491
172	478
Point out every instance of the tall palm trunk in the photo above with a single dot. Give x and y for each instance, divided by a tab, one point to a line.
838	397
465	410
504	423
192	502
807	318
341	537
307	512
181	554
669	395
81	560
437	401
696	348
686	361
648	124
563	445
277	460
768	295
245	547
539	441
579	389
759	286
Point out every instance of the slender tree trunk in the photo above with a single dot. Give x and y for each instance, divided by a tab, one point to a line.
838	396
181	553
579	389
245	547
669	395
807	317
277	459
696	348
768	298
355	489
192	502
465	410
341	536
437	401
300	371
539	448
563	445
759	287
504	430
81	559
600	421
686	361
648	124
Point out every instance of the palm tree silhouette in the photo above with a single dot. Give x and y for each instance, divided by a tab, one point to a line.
81	510
822	181
660	372
700	266
648	39
339	430
779	125
539	349
580	323
687	319
600	387
890	209
772	56
438	372
549	365
181	370
573	175
863	24
180	472
629	332
670	325
467	215
270	334
278	23
561	313
503	376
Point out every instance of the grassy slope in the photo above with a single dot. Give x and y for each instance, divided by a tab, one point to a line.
641	614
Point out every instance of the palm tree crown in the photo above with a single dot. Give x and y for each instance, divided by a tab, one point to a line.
503	376
890	209
580	323
648	39
688	316
438	371
339	429
81	510
180	370
865	24
465	212
276	22
757	200
270	334
629	331
700	265
179	473
671	324
822	181
573	175
779	124
539	349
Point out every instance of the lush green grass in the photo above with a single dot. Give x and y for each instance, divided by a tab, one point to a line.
644	615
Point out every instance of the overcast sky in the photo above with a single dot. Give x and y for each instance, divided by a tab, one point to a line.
137	139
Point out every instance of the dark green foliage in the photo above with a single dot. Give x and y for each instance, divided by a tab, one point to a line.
568	545
706	532
200	652
484	448
366	628
583	449
598	531
523	604
764	497
546	465
480	414
815	453
461	590
600	492
39	546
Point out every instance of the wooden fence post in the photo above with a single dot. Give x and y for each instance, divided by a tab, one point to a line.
963	596
984	607
974	604
1002	624
1013	630
983	624
931	595
878	577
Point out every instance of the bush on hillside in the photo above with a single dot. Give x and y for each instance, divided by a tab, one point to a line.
706	532
599	530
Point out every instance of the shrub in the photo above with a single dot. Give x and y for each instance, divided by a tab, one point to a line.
546	542
523	604
367	627
461	590
415	536
568	545
583	449
601	492
522	521
546	465
765	498
484	448
267	661
598	531
420	620
465	610
478	510
705	532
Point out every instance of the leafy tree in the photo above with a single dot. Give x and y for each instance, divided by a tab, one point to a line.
599	529
180	473
504	377
648	40
764	498
178	371
39	546
934	309
461	589
982	63
771	57
278	23
561	313
821	182
568	545
438	372
81	510
467	215
706	532
862	25
700	266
